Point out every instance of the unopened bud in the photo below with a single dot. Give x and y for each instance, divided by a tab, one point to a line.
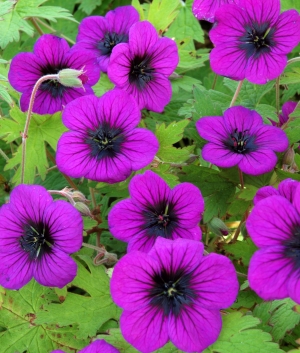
72	77
83	209
79	195
289	156
218	227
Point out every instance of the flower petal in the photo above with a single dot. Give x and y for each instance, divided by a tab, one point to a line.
269	271
120	65
92	29
272	221
132	280
187	203
195	328
220	155
264	192
215	282
212	128
145	329
142	36
241	119
121	19
148	189
294	285
258	162
271	137
55	269
25	70
262	11
65	226
287	188
179	254
99	346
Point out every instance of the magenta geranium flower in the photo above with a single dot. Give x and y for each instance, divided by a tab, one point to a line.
240	138
173	293
252	40
286	188
37	235
287	109
100	35
274	226
154	210
104	143
142	66
98	346
50	55
206	9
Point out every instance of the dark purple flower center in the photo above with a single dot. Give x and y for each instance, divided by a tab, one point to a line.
55	88
109	41
292	247
257	40
36	240
160	220
141	71
106	141
241	142
171	291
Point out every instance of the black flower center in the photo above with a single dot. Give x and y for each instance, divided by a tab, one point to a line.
241	142
36	240
109	41
106	141
171	291
141	71
160	220
257	40
292	247
55	88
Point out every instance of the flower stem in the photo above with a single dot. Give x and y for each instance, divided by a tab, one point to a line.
54	30
294	60
241	178
24	134
3	154
277	94
36	26
234	98
90	246
214	82
92	193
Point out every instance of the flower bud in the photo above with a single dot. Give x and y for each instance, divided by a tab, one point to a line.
218	227
72	77
83	209
289	156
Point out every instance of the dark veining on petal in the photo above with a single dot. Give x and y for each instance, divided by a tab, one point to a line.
141	71
36	240
55	88
241	142
160	220
109	41
292	247
106	141
171	291
258	39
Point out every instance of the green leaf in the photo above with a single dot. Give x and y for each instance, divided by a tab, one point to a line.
240	251
204	104
290	4
103	85
88	311
278	317
186	25
19	310
239	335
169	135
88	6
293	131
43	128
291	76
162	13
5	95
136	4
6	7
217	191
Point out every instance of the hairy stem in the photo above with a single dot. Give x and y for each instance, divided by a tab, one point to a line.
241	178
237	91
214	81
36	26
294	60
54	30
277	94
24	134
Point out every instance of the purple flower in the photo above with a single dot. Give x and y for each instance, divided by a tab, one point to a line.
100	35
104	143
37	235
173	292
240	138
252	40
50	55
206	9
274	226
154	210
98	346
287	109
142	66
286	188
